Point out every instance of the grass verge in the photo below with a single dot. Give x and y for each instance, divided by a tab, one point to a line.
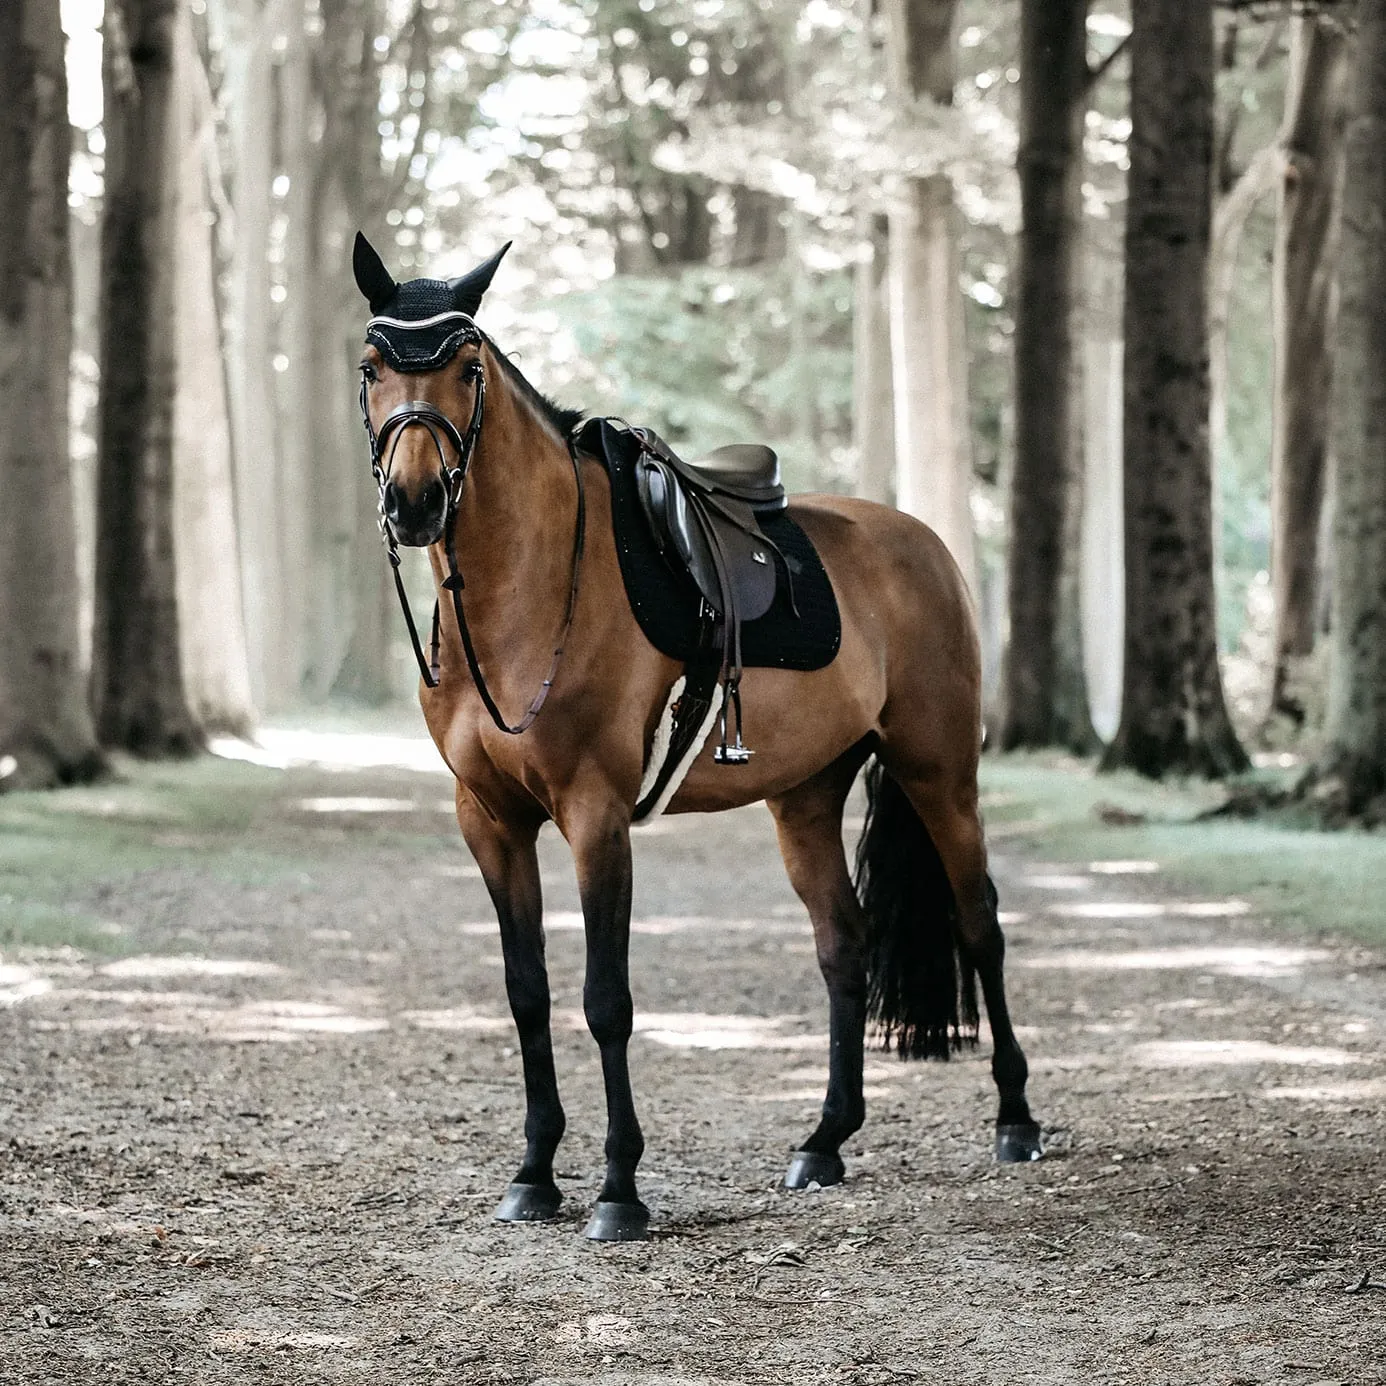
1299	878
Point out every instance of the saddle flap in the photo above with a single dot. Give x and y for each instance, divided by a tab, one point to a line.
679	538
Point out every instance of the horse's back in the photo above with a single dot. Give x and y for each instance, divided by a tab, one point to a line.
890	570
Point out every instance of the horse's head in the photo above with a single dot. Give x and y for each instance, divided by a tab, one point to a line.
420	377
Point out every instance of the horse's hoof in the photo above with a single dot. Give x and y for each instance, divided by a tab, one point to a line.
1018	1144
529	1203
813	1167
618	1222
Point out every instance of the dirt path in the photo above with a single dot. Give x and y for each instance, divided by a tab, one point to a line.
264	1146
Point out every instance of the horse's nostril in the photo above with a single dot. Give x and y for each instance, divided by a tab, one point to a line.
391	501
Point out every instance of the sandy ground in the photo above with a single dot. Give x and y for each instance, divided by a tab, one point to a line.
265	1145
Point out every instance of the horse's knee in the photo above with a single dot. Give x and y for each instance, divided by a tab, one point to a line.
610	1014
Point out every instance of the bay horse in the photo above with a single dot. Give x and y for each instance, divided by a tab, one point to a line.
478	467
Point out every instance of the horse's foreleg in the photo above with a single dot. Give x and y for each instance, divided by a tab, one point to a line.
601	850
510	867
809	824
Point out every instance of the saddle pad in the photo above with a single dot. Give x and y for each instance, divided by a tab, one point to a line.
666	602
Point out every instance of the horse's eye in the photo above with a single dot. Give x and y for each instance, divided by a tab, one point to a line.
368	371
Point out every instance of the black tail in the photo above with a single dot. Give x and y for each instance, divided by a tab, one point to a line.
920	990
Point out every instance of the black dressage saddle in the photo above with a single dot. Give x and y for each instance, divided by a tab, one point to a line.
718	574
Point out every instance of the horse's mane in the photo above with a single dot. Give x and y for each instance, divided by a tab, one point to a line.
564	420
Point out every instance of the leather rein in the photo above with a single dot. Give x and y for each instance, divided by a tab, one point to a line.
422	414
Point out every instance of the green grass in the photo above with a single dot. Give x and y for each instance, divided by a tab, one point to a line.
1296	877
215	817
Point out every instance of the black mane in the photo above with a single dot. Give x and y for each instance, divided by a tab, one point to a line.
563	420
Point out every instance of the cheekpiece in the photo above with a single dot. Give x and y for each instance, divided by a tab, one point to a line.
420	329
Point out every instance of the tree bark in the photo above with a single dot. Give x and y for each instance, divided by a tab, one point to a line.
1103	560
1355	750
873	399
250	101
46	733
933	435
1174	716
1306	251
210	616
1053	103
137	678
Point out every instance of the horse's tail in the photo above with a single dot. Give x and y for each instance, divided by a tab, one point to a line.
921	991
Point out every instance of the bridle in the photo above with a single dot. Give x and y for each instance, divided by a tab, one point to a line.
421	414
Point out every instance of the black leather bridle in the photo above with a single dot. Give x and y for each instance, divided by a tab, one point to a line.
422	414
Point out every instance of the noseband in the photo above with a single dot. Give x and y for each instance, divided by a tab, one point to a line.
422	414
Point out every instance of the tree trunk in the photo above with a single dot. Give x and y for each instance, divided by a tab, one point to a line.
1355	751
211	622
137	678
1174	716
303	403
46	734
1103	560
1230	216
928	344
1306	248
250	102
873	400
1053	93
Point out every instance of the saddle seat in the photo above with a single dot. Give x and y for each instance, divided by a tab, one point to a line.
750	471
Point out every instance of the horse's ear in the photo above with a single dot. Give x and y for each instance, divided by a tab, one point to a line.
467	291
372	278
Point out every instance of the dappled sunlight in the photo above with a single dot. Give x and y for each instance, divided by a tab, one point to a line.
255	1340
1152	909
19	983
1264	960
1197	1053
359	803
693	1030
1056	881
281	748
189	967
1123	868
1362	1090
464	1019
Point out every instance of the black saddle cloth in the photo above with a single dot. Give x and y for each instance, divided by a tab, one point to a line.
666	602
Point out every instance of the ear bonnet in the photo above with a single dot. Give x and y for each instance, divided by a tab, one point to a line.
420	324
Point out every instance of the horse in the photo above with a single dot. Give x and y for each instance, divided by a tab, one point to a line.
478	467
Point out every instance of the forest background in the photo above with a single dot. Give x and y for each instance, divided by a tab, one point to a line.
900	241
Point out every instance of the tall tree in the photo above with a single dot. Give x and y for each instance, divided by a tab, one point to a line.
873	398
1045	481
928	346
255	28
46	733
137	678
1355	750
1174	715
211	624
1306	245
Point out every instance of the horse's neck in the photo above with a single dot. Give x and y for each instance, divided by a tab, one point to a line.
514	540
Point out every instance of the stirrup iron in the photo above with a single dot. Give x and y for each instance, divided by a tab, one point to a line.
737	753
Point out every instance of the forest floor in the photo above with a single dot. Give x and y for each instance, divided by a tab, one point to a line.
259	1095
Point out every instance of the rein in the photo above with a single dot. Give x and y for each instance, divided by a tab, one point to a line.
421	414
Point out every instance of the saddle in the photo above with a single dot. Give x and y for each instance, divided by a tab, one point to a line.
704	518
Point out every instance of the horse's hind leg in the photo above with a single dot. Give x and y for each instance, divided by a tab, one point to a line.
509	865
809	822
950	813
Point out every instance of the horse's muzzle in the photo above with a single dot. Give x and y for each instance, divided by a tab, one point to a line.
417	521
